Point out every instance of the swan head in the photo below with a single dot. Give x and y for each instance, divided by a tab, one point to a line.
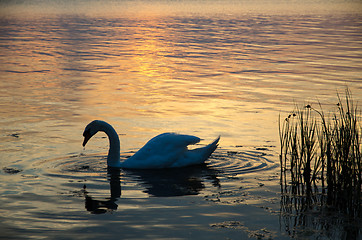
91	129
113	153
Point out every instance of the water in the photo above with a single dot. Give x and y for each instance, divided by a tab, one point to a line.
205	68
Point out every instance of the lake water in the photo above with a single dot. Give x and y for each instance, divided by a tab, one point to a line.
205	68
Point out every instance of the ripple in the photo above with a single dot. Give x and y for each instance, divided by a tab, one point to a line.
223	170
75	165
226	162
234	163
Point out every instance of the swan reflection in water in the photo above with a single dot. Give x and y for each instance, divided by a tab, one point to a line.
157	183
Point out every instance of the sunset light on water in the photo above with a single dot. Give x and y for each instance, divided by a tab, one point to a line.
203	68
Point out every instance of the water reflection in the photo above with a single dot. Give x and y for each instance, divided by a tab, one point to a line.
303	219
177	181
103	206
157	183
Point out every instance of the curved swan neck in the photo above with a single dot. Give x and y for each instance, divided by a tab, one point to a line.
114	146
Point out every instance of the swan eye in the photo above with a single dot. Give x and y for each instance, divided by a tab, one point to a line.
86	133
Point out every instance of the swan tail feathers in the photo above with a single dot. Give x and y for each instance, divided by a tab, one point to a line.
209	149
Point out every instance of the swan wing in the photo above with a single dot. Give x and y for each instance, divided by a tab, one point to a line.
161	151
197	156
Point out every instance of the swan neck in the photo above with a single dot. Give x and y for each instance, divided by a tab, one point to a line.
114	147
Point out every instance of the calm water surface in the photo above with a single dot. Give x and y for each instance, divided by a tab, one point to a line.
205	68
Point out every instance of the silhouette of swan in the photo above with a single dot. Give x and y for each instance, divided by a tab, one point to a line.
167	150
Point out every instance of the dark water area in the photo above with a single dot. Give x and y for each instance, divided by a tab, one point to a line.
205	68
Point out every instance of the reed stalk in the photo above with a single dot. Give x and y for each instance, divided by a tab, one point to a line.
321	154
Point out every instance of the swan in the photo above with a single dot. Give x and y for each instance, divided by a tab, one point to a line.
167	150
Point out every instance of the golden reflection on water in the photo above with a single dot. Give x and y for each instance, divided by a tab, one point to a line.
216	75
207	71
148	48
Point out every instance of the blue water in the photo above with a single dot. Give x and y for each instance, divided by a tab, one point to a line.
205	68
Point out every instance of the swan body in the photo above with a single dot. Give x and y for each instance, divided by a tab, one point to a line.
167	150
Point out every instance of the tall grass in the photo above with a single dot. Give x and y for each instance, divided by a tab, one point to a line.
321	155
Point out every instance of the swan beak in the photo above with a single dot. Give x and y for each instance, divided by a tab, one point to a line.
87	136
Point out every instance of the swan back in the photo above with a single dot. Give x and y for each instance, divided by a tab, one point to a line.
169	150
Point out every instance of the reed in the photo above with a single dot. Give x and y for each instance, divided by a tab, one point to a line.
320	155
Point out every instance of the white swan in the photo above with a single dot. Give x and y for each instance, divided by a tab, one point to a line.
167	150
